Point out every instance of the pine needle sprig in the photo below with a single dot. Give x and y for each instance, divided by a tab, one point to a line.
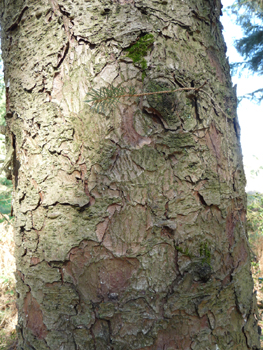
108	97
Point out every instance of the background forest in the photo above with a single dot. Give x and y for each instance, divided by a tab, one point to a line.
7	261
249	15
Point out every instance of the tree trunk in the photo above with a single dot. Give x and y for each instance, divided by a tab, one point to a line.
130	223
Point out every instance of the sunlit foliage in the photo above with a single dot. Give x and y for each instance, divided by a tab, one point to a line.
249	15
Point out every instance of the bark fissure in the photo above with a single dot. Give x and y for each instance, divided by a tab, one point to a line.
19	16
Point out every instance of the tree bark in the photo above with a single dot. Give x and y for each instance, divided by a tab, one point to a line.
130	223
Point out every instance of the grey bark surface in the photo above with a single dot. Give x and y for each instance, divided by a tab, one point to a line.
130	224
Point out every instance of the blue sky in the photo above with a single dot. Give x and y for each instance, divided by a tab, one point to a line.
250	114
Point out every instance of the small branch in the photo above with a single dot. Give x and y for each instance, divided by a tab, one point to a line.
5	217
157	92
104	95
215	103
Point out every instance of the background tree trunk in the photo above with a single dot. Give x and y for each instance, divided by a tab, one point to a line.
130	224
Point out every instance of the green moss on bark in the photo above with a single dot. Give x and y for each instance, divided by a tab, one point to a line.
139	50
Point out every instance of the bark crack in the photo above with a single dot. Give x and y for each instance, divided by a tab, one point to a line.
62	56
14	25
